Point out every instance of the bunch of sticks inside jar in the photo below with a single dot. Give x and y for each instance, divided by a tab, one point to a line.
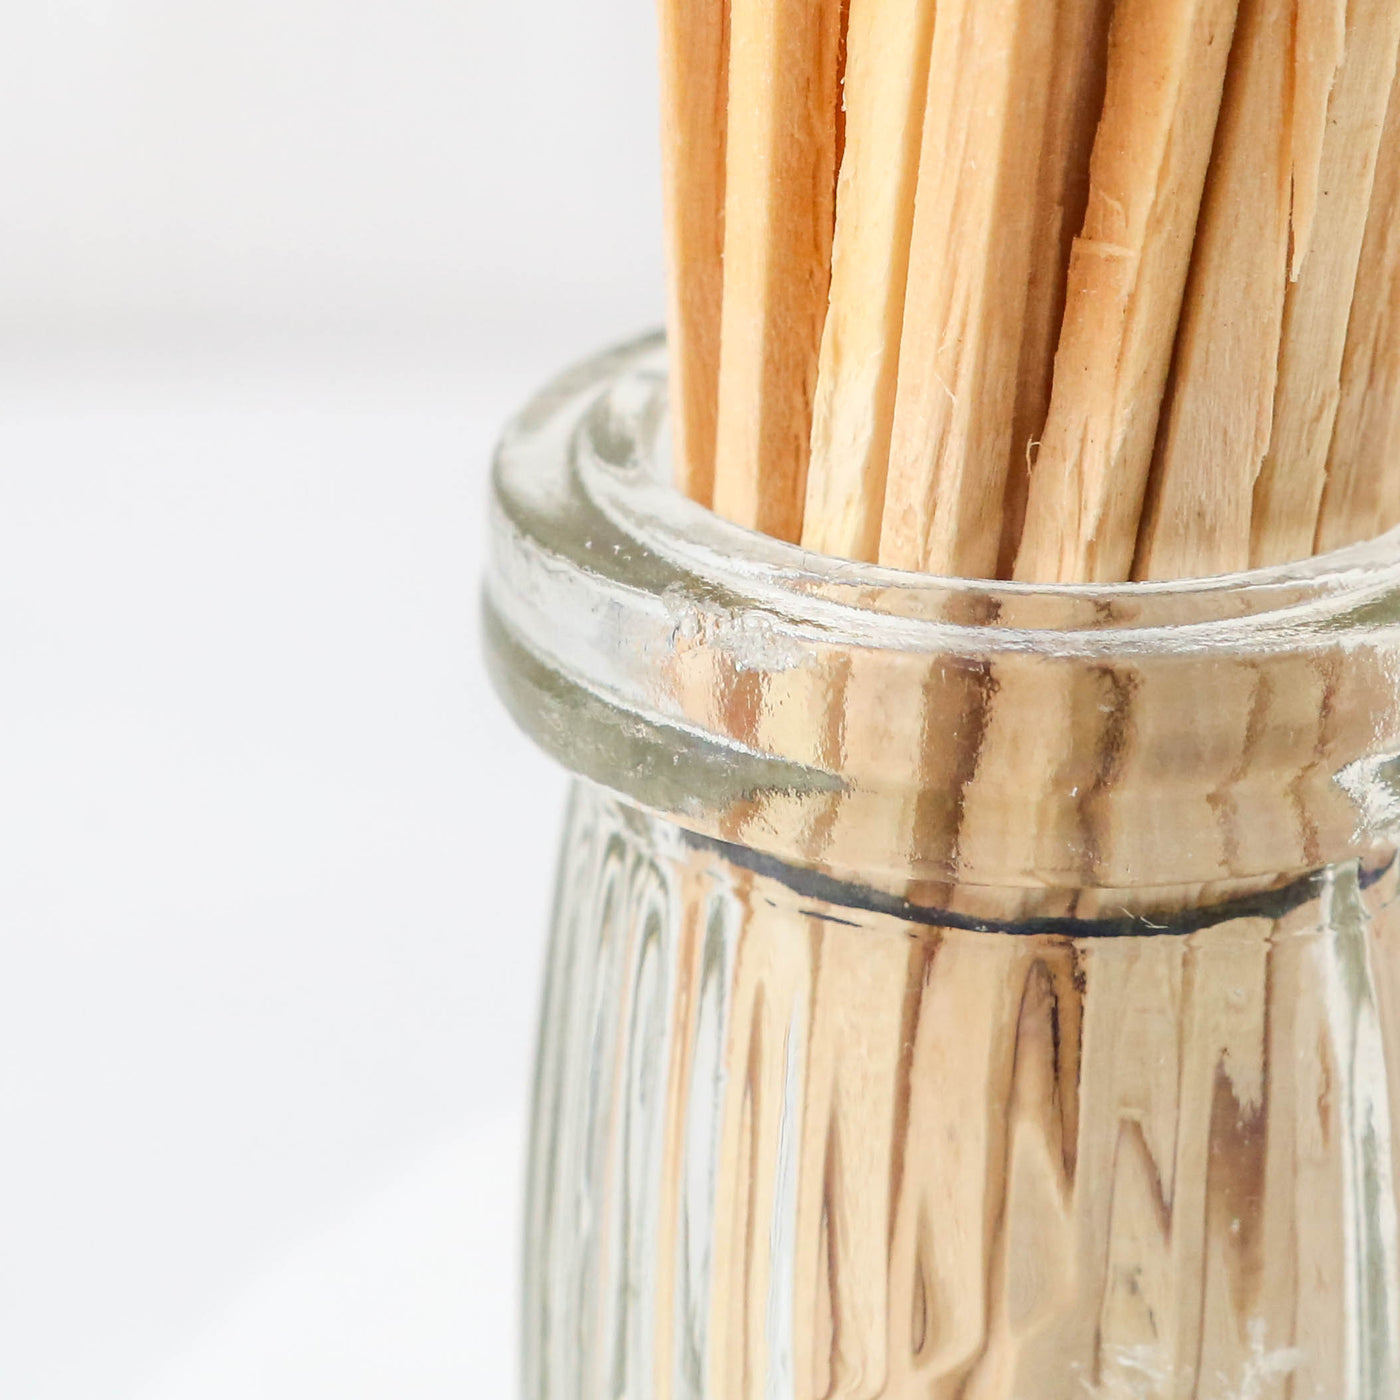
1058	290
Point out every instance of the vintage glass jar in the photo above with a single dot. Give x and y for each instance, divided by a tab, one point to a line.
956	990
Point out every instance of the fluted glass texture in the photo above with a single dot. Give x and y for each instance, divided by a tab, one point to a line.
788	1147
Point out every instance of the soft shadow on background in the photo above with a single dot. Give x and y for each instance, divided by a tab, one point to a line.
274	869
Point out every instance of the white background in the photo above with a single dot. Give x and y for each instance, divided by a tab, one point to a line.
274	869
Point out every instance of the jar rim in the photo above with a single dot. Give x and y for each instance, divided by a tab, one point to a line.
901	728
620	462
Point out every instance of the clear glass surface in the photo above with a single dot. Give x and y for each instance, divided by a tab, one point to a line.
956	990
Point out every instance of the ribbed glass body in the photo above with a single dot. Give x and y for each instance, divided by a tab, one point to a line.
787	1145
989	993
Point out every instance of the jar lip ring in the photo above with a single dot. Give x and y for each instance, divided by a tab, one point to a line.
619	461
731	681
1334	571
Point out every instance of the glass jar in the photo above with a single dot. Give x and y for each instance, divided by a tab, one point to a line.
957	990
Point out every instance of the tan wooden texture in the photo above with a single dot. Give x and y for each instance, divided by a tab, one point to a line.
694	107
780	183
1327	243
1362	494
969	266
886	82
1219	411
1127	276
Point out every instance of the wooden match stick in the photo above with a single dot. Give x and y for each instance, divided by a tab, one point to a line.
1362	494
1127	274
780	185
1220	403
1078	79
886	81
969	265
694	108
1327	239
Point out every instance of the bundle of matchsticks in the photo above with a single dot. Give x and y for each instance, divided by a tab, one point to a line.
1055	290
1060	291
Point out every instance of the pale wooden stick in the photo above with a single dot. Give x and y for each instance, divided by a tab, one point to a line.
1320	42
1077	83
1327	238
694	98
850	1111
1304	1243
887	59
1127	274
1215	1281
755	1191
1362	495
1129	1060
1036	1216
1221	403
953	1159
968	272
779	217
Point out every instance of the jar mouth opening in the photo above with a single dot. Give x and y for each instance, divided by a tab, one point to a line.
1336	569
621	464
